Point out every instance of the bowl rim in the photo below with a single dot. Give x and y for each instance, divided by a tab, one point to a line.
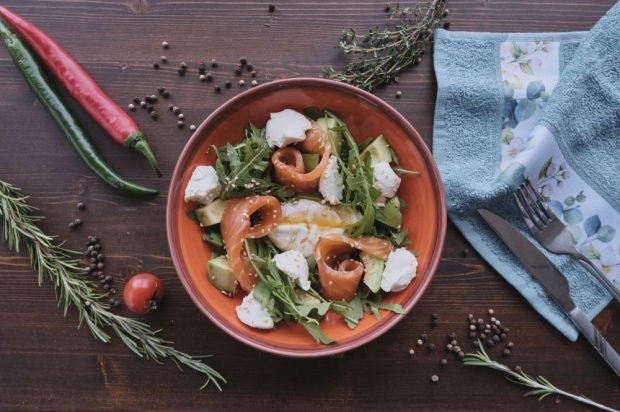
221	111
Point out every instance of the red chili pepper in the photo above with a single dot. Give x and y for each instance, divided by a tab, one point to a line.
122	128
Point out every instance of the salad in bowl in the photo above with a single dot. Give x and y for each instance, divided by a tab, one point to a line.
304	223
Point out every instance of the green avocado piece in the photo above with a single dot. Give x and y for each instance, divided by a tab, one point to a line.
390	214
373	271
333	137
310	161
221	275
378	150
211	214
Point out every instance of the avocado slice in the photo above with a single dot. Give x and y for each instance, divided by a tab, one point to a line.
221	275
211	214
334	138
311	160
373	271
378	150
304	297
390	214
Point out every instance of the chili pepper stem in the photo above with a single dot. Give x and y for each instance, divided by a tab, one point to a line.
136	142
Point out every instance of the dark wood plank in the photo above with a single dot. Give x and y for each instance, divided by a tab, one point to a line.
46	363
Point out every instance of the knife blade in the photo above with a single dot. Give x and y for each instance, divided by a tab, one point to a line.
552	280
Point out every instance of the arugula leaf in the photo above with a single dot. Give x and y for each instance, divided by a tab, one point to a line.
314	329
213	236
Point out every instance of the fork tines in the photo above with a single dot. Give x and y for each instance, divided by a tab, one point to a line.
533	206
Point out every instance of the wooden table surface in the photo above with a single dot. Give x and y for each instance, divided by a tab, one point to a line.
46	363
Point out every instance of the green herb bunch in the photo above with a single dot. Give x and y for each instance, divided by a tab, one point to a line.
73	288
385	53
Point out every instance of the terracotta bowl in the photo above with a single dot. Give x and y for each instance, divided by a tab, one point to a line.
366	115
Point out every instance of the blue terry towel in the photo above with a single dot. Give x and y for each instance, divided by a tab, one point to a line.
544	106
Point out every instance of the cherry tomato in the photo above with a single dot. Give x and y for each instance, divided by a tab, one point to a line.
143	293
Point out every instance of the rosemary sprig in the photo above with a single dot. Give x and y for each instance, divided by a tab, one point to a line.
19	223
539	386
386	53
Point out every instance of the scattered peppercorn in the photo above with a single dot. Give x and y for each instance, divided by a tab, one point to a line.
80	206
181	72
165	94
149	108
491	312
170	106
142	103
202	78
411	352
431	347
420	342
272	8
253	73
241	82
243	61
387	8
238	72
434	378
181	116
446	25
227	84
213	63
180	124
183	65
209	77
249	67
434	323
472	335
156	66
472	327
160	90
451	336
424	337
506	352
510	345
163	59
72	225
202	68
217	89
136	100
443	362
461	354
165	44
192	127
154	115
465	252
446	12
399	94
176	110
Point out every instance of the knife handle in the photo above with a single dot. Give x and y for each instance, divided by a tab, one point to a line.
596	339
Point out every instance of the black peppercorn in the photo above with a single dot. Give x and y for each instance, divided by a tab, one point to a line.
238	72
154	115
176	110
451	336
443	362
227	84
80	206
202	68
217	89
272	8
506	352
431	347
160	90
156	66
165	94
181	72
97	246
180	124
213	63
136	100
249	67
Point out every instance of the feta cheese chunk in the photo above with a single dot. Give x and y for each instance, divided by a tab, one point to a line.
204	185
286	127
253	314
295	265
385	179
399	270
330	184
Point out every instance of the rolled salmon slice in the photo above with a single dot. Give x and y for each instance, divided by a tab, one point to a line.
289	169
236	226
340	278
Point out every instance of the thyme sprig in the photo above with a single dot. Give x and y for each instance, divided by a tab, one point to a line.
385	53
539	386
72	287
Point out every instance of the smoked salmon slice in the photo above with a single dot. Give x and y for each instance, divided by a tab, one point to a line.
315	139
236	226
289	169
340	278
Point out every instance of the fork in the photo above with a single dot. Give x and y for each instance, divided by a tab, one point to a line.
552	233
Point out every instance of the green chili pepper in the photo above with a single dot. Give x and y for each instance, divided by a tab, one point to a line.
27	64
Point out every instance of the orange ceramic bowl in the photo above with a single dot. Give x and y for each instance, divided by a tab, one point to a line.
366	115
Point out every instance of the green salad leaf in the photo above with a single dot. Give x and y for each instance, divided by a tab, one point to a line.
245	169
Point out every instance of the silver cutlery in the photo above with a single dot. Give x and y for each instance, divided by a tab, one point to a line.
552	233
553	281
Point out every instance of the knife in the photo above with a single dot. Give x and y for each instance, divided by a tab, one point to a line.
552	280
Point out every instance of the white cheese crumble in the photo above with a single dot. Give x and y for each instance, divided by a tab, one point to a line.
400	270
295	265
330	184
386	180
204	185
286	127
253	314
